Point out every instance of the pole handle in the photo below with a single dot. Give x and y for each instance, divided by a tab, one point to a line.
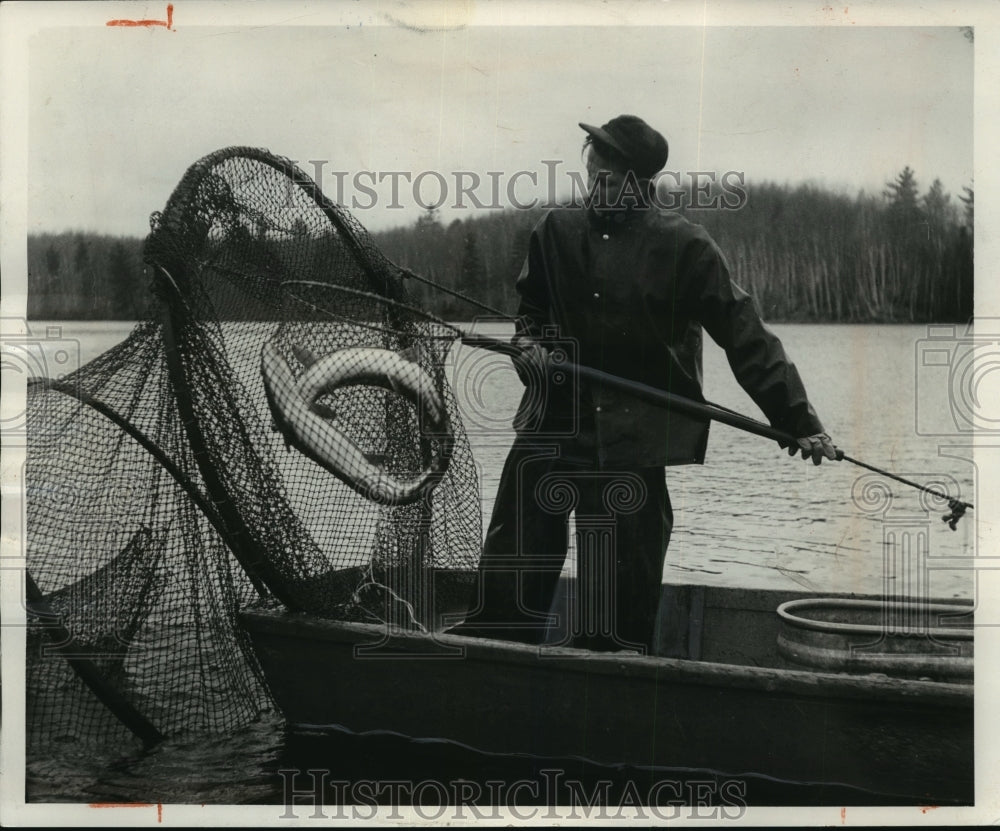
700	409
643	391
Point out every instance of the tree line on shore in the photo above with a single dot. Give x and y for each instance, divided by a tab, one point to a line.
806	254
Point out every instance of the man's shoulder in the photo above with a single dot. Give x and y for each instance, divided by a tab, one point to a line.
566	214
669	221
655	220
659	217
560	220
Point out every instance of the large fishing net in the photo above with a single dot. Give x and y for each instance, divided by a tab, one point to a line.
280	432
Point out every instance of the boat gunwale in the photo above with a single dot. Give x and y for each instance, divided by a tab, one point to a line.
567	659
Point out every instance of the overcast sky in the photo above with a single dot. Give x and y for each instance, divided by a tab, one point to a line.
116	114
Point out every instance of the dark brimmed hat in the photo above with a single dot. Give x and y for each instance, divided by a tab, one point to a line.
638	143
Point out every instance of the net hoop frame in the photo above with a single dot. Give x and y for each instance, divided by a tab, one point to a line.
187	189
171	281
453	332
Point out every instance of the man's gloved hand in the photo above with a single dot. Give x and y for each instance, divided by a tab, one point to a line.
531	364
813	447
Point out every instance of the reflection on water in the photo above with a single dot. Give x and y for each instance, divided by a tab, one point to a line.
262	765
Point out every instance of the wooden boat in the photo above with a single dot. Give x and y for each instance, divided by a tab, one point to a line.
728	692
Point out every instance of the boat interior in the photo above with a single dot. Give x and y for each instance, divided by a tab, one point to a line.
918	638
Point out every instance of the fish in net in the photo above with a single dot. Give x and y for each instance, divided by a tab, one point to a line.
280	431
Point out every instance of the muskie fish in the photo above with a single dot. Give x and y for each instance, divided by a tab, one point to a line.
306	424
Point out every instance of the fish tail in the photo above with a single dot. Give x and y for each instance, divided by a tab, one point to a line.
305	355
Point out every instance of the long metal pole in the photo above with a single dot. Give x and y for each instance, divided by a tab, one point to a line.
682	404
643	391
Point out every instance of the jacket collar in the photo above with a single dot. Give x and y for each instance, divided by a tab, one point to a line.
616	217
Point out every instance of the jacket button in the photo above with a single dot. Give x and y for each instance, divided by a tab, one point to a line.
605	236
597	409
597	294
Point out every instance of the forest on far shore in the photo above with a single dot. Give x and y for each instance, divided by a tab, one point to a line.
806	254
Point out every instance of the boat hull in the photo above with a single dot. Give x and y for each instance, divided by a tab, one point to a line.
904	738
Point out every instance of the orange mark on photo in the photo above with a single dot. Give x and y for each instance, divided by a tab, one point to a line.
168	23
159	806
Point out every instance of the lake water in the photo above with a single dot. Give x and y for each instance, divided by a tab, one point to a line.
750	516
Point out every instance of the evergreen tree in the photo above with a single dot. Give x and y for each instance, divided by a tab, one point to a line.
938	215
81	256
937	204
902	195
473	268
969	201
429	221
85	277
53	262
123	301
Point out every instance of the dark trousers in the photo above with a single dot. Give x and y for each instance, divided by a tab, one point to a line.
623	518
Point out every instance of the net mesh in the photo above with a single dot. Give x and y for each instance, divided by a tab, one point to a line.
166	490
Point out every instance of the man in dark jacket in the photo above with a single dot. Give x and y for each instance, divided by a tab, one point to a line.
626	287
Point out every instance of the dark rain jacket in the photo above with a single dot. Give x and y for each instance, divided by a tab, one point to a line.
630	294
